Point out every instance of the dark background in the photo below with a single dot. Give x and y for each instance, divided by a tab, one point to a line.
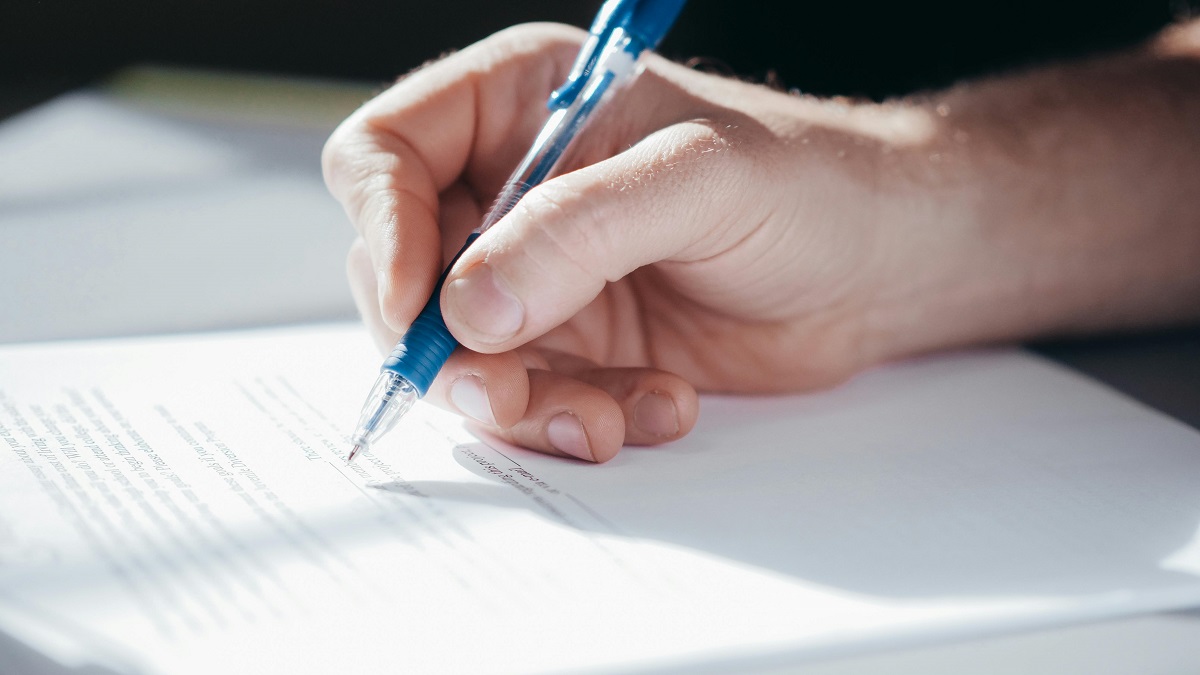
870	48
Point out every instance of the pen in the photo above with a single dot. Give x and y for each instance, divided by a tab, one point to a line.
622	31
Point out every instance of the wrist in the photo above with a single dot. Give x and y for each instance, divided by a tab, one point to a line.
1054	202
959	264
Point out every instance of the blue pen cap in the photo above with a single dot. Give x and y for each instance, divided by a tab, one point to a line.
646	20
651	19
612	13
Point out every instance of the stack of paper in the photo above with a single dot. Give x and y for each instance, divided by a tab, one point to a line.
181	505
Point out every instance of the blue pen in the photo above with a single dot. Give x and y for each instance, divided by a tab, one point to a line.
622	31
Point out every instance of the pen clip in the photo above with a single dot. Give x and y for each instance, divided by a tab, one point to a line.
613	14
647	21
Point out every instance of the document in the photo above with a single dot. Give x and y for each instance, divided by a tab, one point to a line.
181	505
121	218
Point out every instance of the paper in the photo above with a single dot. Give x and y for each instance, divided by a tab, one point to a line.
180	505
118	219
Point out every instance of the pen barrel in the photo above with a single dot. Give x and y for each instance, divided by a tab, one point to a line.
427	343
615	67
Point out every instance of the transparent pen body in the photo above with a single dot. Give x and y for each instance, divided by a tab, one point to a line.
617	65
413	363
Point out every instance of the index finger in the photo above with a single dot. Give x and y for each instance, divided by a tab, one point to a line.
452	120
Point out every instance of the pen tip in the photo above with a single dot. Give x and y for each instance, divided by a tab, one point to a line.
354	452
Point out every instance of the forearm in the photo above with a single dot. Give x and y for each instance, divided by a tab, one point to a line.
1064	200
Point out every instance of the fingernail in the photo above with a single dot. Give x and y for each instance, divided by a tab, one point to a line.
566	434
486	305
655	415
470	397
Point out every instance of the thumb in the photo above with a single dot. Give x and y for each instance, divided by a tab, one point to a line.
662	199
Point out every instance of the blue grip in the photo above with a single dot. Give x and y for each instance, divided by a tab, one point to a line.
427	343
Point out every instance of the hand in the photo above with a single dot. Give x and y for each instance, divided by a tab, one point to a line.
706	233
661	264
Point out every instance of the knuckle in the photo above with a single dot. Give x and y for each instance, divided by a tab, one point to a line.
358	259
552	47
712	144
727	154
349	158
334	159
370	200
689	155
538	35
366	181
710	166
563	227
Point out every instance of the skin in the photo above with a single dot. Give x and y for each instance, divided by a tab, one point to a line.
709	234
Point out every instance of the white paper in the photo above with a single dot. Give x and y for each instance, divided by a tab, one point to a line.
119	219
180	505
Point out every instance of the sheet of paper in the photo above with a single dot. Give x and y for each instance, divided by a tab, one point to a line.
118	218
180	505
